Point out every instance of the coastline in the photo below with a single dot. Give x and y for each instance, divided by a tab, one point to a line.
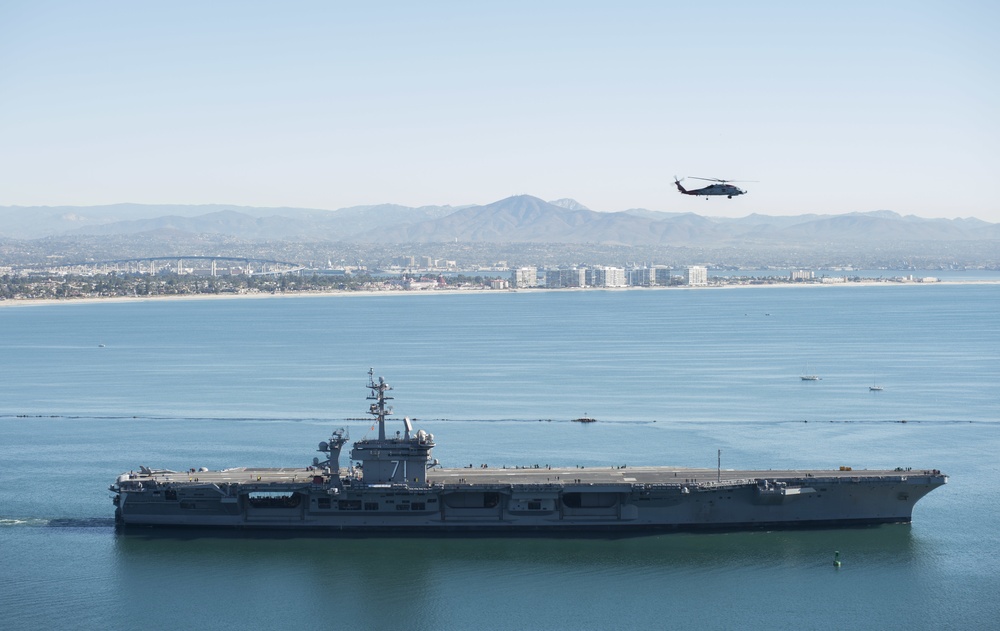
45	302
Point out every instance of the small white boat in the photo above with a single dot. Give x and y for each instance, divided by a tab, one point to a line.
875	387
809	378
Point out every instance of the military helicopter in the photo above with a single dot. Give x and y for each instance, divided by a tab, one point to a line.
722	188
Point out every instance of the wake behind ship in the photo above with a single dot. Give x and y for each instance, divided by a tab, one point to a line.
397	487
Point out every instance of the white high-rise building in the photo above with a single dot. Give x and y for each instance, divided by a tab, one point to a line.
696	275
609	277
524	277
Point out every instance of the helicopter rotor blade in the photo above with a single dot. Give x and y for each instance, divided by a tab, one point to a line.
715	179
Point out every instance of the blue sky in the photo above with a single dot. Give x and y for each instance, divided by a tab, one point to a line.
831	107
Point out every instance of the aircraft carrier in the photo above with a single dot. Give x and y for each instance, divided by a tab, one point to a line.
396	487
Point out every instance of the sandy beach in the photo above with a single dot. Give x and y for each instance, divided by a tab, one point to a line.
29	302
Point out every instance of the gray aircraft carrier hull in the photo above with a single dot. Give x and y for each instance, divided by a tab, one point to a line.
397	487
532	500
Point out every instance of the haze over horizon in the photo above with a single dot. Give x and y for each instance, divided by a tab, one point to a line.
832	109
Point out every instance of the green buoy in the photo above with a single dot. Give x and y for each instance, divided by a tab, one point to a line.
836	559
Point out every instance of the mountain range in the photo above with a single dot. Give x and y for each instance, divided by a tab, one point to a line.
517	219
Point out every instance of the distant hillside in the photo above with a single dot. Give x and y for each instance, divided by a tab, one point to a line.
517	219
237	221
526	219
569	204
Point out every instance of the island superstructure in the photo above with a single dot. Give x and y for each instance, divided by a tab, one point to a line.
397	487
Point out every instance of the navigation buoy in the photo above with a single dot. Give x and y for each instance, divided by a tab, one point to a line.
836	559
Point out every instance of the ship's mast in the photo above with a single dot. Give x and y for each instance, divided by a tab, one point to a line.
378	409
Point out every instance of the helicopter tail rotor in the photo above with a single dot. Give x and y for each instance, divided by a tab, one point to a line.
678	184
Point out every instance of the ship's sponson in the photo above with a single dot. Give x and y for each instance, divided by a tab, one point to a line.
535	499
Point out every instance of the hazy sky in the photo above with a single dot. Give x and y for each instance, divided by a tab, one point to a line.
832	107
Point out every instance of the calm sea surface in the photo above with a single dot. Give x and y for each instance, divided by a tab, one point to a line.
90	390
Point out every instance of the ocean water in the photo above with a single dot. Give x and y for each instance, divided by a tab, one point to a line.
89	390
